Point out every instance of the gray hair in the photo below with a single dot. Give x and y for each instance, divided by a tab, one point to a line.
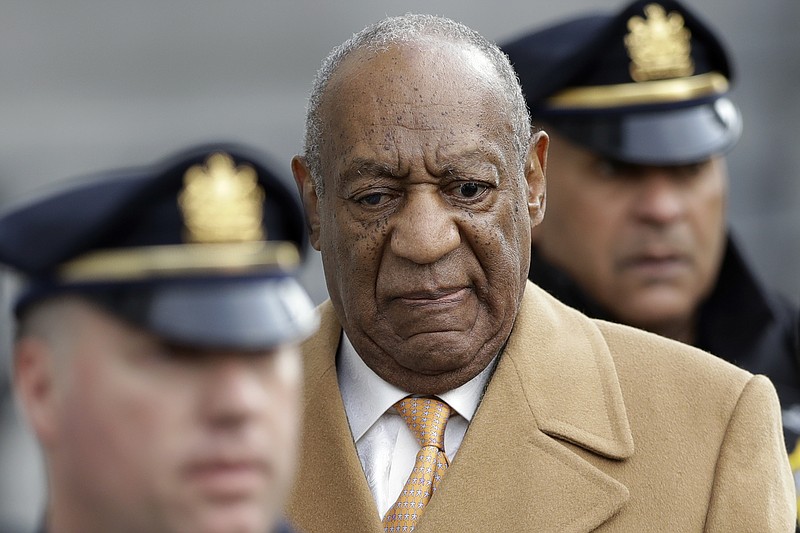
411	28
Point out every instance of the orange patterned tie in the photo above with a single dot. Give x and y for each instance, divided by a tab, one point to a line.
426	418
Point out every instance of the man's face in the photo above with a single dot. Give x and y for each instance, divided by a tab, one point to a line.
645	242
424	225
148	437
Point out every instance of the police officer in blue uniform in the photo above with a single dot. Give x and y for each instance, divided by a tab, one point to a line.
639	115
157	358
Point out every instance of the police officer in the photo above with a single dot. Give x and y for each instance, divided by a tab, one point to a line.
157	356
637	107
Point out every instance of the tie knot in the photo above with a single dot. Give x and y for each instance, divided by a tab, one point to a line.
426	418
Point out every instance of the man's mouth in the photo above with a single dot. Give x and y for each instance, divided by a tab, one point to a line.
228	478
442	296
657	265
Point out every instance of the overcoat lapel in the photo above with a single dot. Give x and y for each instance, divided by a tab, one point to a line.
555	382
535	484
331	491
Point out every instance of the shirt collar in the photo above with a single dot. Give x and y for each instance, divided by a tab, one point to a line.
367	396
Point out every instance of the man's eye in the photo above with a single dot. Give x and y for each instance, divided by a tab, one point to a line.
470	189
372	199
609	168
688	171
612	169
375	196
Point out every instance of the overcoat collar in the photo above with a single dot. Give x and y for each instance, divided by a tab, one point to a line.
555	383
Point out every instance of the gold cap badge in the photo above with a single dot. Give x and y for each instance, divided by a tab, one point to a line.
221	202
658	46
222	206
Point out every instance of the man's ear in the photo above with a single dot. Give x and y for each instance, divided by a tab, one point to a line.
535	170
35	384
308	194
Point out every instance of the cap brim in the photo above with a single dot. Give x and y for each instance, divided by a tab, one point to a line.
666	137
247	315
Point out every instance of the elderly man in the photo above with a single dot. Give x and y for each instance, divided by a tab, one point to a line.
157	359
444	392
637	108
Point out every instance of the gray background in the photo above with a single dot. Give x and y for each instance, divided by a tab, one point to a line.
88	85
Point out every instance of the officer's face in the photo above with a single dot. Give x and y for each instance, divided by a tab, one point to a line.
141	436
424	225
645	242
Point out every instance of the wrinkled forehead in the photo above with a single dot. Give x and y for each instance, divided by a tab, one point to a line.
419	73
441	92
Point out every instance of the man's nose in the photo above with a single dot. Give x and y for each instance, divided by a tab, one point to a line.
660	199
425	229
234	391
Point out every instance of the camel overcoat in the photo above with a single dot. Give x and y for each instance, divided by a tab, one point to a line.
584	426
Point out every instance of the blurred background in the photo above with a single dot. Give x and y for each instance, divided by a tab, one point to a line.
88	85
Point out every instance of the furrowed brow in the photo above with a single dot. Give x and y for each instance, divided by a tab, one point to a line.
361	168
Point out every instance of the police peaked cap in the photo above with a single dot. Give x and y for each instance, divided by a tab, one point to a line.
647	85
201	249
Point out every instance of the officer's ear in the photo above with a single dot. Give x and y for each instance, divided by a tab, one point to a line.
535	169
308	194
34	381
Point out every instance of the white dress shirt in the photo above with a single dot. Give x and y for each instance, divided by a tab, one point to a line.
386	446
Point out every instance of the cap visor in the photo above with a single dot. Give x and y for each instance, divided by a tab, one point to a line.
242	314
668	137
